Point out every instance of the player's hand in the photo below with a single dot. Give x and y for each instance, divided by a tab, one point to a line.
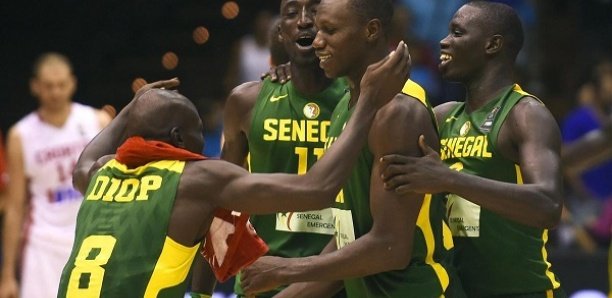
386	78
280	73
407	174
264	275
9	288
163	84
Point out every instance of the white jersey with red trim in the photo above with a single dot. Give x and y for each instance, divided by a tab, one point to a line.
49	156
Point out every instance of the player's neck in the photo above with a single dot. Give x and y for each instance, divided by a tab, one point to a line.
309	79
483	88
55	116
356	75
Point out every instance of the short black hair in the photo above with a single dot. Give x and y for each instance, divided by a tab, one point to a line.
502	19
49	58
374	9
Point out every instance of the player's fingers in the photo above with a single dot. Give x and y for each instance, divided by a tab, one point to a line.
392	171
404	189
396	181
424	147
165	84
285	73
395	57
406	64
392	159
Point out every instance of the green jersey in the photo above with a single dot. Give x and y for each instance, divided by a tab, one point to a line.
426	276
494	255
287	135
121	248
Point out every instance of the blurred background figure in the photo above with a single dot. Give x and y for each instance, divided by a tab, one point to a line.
251	54
42	205
590	174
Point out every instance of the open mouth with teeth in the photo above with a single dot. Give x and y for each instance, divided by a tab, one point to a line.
305	42
323	57
445	58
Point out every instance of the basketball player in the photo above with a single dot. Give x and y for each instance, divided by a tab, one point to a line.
267	120
499	160
386	245
147	210
42	150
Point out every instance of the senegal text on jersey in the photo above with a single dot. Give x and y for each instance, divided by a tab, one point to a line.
290	130
472	146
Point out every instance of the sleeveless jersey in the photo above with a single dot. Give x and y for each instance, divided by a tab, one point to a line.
494	255
121	247
426	276
49	156
288	132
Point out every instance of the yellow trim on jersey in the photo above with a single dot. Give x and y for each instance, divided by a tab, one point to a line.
520	91
447	236
172	267
519	174
413	89
550	294
549	273
424	223
170	165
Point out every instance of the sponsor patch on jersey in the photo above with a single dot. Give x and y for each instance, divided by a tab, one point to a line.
318	222
463	216
312	110
465	128
345	231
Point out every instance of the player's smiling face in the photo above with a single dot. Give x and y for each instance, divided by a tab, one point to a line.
340	40
462	51
297	30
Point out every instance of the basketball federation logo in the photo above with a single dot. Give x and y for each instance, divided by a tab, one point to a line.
465	128
312	110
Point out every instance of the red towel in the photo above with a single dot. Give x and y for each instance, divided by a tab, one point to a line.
231	242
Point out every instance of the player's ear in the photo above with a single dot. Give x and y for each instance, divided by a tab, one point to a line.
373	30
176	138
494	44
279	36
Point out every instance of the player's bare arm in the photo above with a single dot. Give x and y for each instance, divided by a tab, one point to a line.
313	288
237	122
107	141
259	193
13	217
536	203
388	245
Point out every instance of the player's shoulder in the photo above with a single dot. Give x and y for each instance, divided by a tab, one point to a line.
243	97
403	107
529	107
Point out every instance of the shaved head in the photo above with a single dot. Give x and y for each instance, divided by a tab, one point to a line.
168	116
502	19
